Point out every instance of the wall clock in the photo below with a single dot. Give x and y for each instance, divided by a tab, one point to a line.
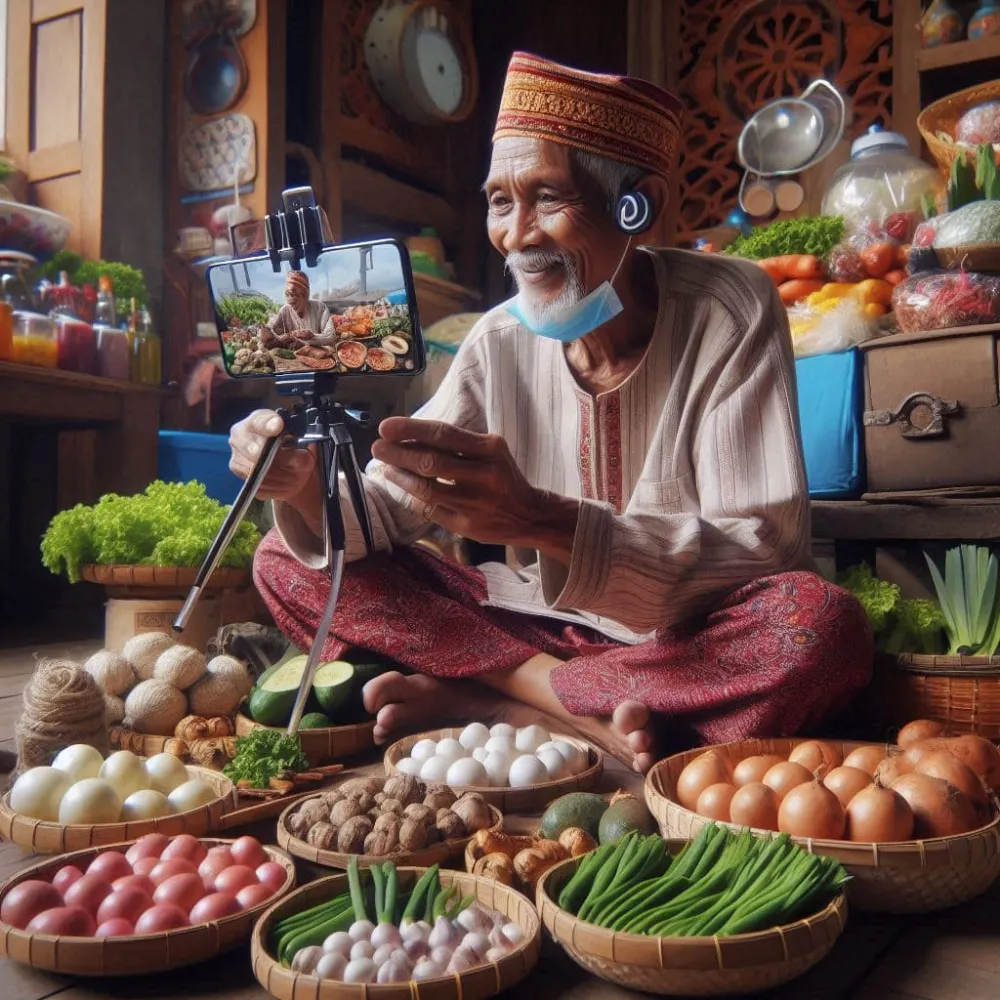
421	59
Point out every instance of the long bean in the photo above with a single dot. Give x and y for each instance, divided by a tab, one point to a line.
606	874
574	892
316	934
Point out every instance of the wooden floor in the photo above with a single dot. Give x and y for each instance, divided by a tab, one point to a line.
948	956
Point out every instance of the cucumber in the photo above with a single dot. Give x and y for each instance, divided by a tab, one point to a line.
332	685
315	720
273	698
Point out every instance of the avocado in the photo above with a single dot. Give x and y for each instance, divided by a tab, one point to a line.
315	720
624	816
580	809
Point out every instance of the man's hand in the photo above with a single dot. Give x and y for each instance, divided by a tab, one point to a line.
470	484
292	468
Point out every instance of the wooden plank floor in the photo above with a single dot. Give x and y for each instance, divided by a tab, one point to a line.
947	956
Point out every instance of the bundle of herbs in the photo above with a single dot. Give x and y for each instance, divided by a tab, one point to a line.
970	599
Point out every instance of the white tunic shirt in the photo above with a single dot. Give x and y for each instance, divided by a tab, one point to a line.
689	473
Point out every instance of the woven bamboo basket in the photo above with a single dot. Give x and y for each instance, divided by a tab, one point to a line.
476	984
960	692
532	798
140	954
176	579
427	856
321	746
701	967
914	876
43	837
942	116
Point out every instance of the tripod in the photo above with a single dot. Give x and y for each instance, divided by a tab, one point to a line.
315	419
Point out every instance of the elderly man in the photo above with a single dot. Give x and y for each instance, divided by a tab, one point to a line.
301	312
627	424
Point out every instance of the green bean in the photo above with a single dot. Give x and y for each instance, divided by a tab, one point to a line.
605	875
574	892
316	935
308	916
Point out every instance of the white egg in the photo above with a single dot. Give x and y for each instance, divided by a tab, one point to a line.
191	795
165	772
465	772
79	761
555	763
503	729
474	735
527	770
423	750
551	745
451	750
529	739
409	766
480	754
434	769
501	744
39	791
147	803
497	768
90	801
576	757
126	772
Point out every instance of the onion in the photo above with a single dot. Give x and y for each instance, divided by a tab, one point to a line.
939	809
817	756
714	802
920	729
710	768
755	805
783	777
879	815
891	770
754	768
845	782
866	758
813	811
941	764
976	753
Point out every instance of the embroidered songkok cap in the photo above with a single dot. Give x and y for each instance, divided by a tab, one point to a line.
619	117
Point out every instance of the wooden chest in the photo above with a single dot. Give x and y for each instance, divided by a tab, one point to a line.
932	420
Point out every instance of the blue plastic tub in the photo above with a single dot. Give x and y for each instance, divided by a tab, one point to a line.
831	406
184	456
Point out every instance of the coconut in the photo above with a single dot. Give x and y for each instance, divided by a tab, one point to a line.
114	709
142	652
113	673
225	684
180	666
154	707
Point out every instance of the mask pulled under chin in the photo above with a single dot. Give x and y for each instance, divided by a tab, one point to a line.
599	307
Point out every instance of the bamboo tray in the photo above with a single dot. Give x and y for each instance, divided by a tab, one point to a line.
476	984
711	966
323	745
43	837
530	799
139	954
913	876
425	857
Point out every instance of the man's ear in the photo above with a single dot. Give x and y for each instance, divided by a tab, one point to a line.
657	190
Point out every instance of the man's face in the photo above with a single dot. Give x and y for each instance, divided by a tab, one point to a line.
553	227
297	297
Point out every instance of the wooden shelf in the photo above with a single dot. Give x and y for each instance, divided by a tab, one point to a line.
926	519
959	53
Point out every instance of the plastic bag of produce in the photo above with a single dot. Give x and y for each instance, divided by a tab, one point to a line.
939	300
833	325
977	222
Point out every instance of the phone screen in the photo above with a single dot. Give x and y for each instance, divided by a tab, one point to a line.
354	313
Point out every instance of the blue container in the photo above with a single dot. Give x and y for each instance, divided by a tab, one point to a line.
831	404
184	456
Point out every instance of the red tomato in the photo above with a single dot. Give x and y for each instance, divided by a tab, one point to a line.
271	874
212	866
88	892
214	906
253	895
66	921
129	903
185	847
157	919
164	869
145	865
183	890
235	878
65	877
110	865
114	928
143	882
150	846
247	851
26	900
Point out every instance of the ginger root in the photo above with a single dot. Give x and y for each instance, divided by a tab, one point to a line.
498	867
533	862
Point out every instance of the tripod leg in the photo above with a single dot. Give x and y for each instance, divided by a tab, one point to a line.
232	522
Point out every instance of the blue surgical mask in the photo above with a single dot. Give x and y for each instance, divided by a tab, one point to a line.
592	311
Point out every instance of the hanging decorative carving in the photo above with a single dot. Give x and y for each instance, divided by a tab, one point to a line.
736	55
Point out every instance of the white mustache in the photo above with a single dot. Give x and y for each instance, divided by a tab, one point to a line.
534	260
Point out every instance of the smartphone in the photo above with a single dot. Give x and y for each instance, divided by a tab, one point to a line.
353	313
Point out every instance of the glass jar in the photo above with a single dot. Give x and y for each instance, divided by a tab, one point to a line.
15	286
146	357
114	352
77	345
882	180
34	340
6	332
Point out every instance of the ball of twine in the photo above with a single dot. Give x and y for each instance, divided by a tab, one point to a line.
62	705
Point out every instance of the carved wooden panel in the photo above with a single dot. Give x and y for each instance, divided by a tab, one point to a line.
736	55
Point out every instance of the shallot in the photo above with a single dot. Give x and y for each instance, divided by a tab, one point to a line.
360	970
330	966
396	970
426	969
361	930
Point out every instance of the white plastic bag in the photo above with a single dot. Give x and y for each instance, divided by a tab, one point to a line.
826	331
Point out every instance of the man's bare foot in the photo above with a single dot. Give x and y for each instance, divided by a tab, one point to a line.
629	735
